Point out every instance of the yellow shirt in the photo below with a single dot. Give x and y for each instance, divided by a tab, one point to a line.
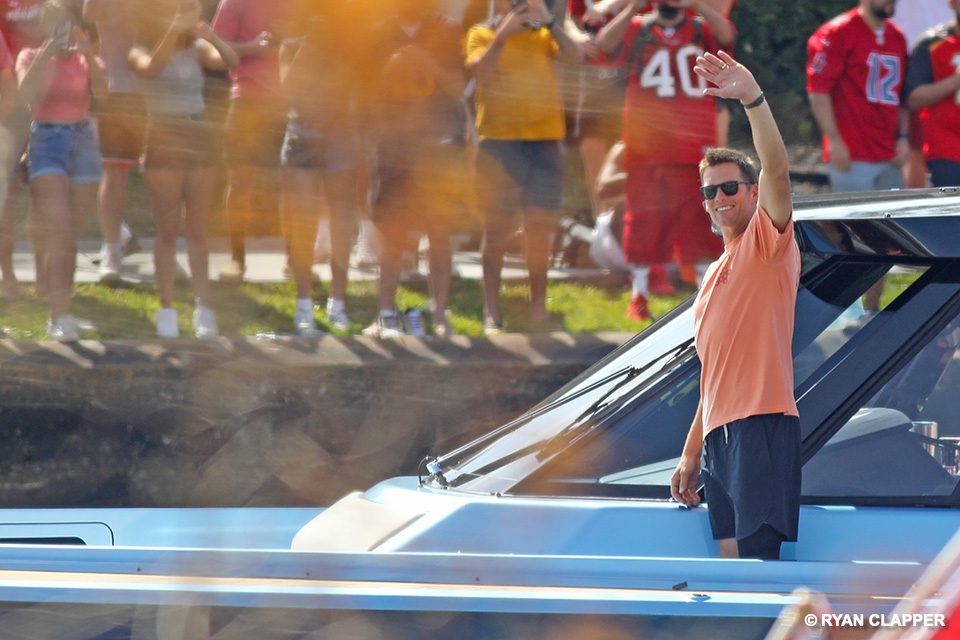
522	101
743	325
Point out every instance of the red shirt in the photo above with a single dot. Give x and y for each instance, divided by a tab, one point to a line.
257	76
65	91
937	56
667	119
13	15
863	73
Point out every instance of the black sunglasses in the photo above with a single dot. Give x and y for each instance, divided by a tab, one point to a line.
730	188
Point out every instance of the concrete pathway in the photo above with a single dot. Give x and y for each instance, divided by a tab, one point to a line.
265	263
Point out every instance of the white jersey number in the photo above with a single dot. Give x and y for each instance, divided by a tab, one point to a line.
658	74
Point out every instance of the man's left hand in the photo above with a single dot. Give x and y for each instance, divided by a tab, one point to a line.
539	11
732	80
902	152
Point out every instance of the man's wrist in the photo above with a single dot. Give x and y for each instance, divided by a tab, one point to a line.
756	102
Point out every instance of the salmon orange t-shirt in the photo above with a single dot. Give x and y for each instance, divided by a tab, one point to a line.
743	325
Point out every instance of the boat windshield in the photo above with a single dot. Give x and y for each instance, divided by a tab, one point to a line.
620	435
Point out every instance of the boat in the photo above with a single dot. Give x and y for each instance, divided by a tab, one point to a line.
559	523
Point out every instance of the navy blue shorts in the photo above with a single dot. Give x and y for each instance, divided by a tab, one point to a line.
751	476
519	173
944	173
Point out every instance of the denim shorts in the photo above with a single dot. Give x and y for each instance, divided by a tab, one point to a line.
751	476
328	152
69	149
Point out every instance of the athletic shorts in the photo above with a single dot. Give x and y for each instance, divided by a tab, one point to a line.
865	176
254	132
519	173
68	149
328	152
944	173
122	125
180	142
665	219
751	476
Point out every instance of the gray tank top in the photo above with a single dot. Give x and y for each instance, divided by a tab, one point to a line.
178	90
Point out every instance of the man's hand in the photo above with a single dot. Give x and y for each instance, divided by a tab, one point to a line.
903	152
732	80
515	21
683	484
640	5
840	155
538	11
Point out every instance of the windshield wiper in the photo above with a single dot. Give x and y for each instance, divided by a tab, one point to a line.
624	376
566	435
436	465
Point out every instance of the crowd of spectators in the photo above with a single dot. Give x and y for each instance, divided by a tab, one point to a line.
419	118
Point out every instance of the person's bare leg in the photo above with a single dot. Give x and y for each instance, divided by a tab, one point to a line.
166	196
728	548
299	202
391	258
537	224
8	233
593	152
50	195
491	256
239	206
871	299
199	189
112	201
341	190
441	257
39	240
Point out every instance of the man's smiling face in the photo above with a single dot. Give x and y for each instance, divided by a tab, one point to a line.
730	214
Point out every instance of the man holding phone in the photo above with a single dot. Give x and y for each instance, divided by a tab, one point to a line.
520	122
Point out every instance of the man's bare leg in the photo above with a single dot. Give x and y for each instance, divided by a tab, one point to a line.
729	548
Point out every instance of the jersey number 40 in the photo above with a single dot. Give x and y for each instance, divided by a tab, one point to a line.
658	73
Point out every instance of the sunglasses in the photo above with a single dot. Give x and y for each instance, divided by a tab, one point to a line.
730	188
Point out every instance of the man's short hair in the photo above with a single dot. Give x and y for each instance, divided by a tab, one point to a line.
723	155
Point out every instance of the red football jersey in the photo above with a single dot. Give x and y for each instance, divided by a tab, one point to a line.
863	72
667	119
937	56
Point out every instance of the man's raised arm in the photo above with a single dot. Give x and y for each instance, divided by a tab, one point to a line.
733	80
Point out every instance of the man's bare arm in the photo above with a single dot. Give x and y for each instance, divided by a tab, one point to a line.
721	28
821	105
683	484
611	36
930	94
733	80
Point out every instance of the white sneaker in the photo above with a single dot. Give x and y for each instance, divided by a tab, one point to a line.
62	329
304	325
413	323
109	270
82	325
337	316
167	326
387	325
204	323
